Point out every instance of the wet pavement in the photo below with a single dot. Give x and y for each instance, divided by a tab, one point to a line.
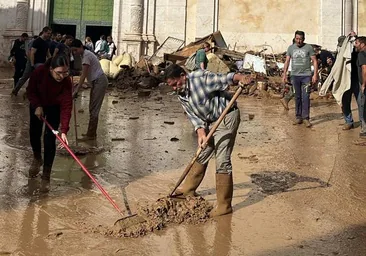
298	191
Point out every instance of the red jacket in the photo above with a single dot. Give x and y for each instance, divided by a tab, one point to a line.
45	91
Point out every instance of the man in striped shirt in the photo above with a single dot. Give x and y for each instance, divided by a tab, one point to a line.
204	96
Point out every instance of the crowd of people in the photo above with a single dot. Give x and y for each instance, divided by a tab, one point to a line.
28	53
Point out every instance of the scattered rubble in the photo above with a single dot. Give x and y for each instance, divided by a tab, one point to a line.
147	73
118	139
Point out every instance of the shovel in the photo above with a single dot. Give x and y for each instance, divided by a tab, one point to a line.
136	219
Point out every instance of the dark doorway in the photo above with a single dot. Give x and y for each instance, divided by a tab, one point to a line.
94	32
64	29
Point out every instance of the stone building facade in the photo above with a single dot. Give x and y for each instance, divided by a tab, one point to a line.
141	26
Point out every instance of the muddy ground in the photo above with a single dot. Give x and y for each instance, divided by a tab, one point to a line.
282	204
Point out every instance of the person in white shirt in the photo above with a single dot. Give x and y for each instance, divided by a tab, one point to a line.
112	48
101	46
99	83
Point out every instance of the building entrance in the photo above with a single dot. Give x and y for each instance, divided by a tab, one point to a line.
94	32
64	29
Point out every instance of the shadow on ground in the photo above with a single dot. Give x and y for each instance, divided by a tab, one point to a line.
269	183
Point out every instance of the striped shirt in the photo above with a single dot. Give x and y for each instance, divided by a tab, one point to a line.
205	96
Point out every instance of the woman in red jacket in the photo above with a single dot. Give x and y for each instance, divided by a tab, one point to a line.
50	95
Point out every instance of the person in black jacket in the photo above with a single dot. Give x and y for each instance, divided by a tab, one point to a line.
19	55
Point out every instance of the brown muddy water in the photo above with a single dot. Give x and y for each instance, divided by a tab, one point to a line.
297	191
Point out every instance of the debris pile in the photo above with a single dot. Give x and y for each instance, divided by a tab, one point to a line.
267	65
156	216
127	78
136	79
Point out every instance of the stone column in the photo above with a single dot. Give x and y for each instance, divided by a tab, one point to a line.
22	15
21	20
348	16
132	39
39	15
355	16
148	34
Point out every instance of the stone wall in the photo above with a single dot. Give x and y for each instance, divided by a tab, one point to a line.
170	20
248	24
362	19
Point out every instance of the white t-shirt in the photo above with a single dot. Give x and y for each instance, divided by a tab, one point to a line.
111	49
97	46
95	70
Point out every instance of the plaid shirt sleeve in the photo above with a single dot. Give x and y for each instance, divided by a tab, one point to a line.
195	120
217	82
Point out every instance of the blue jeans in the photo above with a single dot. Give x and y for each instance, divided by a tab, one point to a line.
346	102
302	88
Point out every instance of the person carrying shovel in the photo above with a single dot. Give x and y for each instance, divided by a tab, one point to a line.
204	97
50	95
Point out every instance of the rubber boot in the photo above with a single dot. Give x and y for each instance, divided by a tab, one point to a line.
91	133
46	177
36	165
192	181
224	194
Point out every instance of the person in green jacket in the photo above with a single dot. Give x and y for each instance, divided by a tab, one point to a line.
201	58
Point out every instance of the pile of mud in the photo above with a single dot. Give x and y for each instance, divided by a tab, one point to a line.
127	78
135	79
155	216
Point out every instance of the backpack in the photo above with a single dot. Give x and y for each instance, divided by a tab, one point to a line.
191	62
